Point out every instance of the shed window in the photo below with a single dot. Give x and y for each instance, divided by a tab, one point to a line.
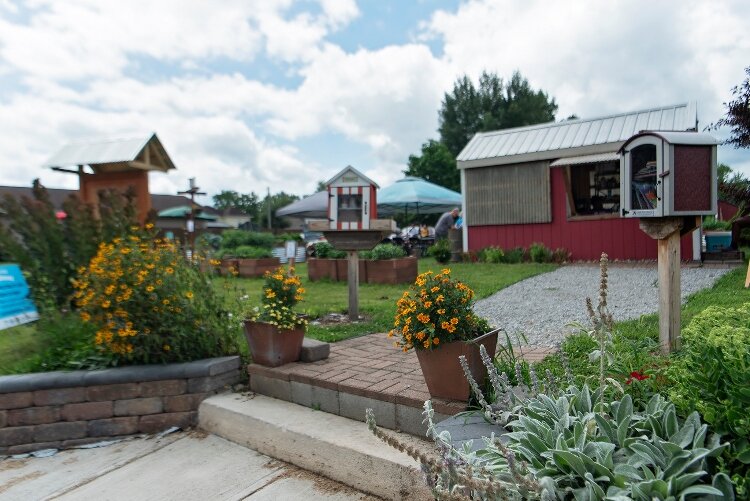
593	190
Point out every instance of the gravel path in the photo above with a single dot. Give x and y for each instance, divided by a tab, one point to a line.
544	305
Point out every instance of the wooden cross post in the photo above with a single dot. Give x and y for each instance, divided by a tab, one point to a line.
666	231
353	279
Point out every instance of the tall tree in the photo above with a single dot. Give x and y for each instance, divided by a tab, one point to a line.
738	115
436	164
494	105
247	203
276	201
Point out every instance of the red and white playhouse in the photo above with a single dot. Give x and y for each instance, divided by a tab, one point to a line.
352	201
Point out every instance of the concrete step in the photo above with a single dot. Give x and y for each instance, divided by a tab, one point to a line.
333	446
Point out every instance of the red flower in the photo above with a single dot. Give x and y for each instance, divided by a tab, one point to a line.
636	375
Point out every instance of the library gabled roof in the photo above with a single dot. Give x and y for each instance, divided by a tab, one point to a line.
145	153
572	137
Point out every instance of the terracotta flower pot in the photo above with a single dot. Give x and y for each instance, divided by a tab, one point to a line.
443	373
271	346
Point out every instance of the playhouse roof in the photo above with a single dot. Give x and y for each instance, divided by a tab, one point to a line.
145	153
351	170
572	137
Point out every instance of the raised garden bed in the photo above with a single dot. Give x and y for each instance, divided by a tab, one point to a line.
249	268
385	271
66	409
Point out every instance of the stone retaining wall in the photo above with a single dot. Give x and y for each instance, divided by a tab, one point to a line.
66	409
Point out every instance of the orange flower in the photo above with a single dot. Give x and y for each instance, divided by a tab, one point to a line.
436	340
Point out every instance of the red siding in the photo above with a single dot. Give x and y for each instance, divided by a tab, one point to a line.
620	238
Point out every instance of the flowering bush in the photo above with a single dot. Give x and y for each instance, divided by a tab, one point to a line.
149	305
281	292
436	309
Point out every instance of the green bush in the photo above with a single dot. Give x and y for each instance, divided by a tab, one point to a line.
282	238
491	254
68	346
710	223
324	250
514	255
149	305
539	253
441	251
250	252
231	239
49	250
711	374
560	255
382	252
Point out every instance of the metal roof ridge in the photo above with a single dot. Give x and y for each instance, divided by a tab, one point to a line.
544	125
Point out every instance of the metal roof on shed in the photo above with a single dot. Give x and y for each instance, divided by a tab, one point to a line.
572	137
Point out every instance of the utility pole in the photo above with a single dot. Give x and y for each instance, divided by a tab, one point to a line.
268	205
190	223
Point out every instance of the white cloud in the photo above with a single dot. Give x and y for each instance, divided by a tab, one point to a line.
80	70
601	57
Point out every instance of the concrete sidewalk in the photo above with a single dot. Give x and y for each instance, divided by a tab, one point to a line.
181	466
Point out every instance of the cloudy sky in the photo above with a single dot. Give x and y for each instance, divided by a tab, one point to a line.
247	95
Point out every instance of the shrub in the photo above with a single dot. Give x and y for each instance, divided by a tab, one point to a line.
441	251
491	255
51	250
712	375
539	253
282	238
231	239
514	255
250	252
150	306
435	309
560	255
382	252
67	345
710	223
324	250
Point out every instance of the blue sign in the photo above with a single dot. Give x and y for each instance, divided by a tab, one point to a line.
15	306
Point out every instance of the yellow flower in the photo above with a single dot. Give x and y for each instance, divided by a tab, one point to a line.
436	341
189	294
166	347
426	344
427	304
165	301
150	288
105	304
169	270
441	311
85	316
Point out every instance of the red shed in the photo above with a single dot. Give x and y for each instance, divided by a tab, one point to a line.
559	184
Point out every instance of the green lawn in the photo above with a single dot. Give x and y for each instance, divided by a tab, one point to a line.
377	302
18	343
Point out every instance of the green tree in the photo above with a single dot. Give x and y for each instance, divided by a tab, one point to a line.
276	201
247	203
436	164
737	115
494	105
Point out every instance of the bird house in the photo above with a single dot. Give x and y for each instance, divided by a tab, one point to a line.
352	203
664	174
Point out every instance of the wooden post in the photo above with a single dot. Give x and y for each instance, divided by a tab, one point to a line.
666	231
353	277
669	292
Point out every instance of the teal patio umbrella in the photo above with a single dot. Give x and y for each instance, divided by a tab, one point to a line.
414	194
182	212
